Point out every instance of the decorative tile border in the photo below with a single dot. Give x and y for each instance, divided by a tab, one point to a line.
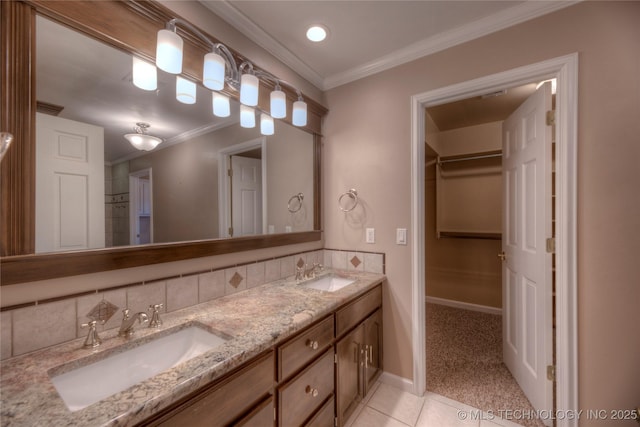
64	315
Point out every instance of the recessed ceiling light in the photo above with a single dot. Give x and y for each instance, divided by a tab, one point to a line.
316	33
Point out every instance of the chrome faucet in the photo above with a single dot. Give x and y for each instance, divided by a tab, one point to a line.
310	272
126	329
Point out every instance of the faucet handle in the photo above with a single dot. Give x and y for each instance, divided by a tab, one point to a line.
92	340
125	314
155	321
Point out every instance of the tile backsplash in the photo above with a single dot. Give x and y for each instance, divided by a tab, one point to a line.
46	323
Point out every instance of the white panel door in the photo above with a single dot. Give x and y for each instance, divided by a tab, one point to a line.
246	196
70	207
526	273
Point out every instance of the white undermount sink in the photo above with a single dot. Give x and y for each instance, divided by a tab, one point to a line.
89	384
329	283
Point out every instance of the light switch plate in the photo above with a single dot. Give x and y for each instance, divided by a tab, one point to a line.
370	235
401	236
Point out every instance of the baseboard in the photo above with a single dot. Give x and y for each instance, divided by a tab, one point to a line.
464	305
401	383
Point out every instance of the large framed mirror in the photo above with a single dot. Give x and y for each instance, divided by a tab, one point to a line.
172	203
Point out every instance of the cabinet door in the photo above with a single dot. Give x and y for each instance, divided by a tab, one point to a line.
372	350
347	374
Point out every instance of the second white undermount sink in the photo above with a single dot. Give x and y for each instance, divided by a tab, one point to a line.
92	383
329	283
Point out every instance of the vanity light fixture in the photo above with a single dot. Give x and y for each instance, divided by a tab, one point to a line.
247	117
221	105
145	74
220	69
185	91
140	139
266	124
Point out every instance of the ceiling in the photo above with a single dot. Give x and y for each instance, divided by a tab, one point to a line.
366	37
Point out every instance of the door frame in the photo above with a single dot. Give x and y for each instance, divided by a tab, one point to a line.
565	70
224	195
134	201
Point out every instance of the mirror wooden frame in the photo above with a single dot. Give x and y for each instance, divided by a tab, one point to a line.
131	27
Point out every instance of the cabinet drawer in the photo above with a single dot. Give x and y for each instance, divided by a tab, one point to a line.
324	417
226	400
355	312
296	353
301	396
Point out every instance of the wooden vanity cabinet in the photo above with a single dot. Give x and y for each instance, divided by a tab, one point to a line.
358	351
244	396
314	379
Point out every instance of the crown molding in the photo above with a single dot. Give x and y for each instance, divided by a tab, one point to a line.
250	29
507	18
482	27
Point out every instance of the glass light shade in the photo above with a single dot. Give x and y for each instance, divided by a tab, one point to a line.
299	113
249	90
143	141
169	52
278	104
266	124
247	117
213	71
185	91
145	75
221	107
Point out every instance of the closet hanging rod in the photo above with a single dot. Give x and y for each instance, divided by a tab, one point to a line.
471	157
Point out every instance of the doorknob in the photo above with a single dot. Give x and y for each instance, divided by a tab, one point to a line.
502	256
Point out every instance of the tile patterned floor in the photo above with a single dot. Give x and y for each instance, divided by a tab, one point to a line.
387	406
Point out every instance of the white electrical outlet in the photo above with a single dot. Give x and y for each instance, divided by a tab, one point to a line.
401	236
370	235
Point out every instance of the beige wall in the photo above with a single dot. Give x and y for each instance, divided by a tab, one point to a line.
367	146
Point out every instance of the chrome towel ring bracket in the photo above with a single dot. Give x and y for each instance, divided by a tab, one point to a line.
348	201
295	203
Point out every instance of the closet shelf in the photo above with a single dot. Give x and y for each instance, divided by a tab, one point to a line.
469	235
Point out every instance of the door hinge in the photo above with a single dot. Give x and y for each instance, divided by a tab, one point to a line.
231	231
335	358
551	372
551	117
551	245
230	172
335	421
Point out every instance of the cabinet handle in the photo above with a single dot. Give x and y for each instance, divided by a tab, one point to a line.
313	345
366	356
312	391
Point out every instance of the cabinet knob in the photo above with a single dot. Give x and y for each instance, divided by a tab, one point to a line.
312	391
313	345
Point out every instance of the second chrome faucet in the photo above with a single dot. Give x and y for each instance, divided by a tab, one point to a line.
126	329
128	322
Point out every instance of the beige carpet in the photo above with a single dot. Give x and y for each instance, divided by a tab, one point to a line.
464	361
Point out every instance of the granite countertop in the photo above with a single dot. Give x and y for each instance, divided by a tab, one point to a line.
254	321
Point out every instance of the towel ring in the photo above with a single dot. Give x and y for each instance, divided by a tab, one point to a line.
343	203
299	197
